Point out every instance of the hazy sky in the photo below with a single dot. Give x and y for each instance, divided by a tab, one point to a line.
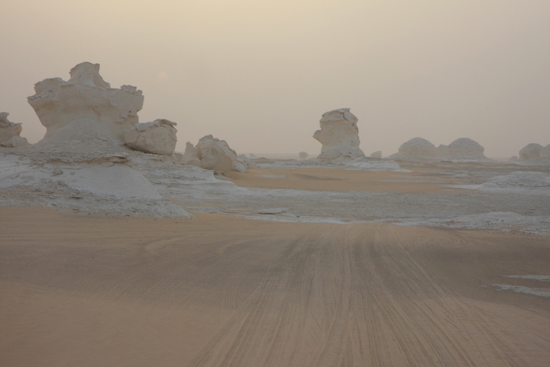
260	73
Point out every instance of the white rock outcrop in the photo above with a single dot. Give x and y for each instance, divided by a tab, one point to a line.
86	98
530	152
465	148
422	149
157	137
418	148
216	155
190	157
9	133
339	135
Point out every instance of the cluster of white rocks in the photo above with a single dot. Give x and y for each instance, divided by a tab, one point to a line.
422	149
87	105
10	133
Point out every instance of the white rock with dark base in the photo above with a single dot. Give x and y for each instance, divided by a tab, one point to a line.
339	135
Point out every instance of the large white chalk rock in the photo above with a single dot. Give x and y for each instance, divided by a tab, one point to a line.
339	135
157	137
190	157
464	148
86	98
216	155
530	152
9	132
419	148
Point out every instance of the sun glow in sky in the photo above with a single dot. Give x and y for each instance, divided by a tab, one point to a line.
259	74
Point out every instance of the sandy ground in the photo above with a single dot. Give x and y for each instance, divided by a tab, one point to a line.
224	291
338	180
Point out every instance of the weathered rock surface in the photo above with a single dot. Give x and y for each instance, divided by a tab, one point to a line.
530	152
464	148
86	97
216	155
157	137
190	157
339	135
9	132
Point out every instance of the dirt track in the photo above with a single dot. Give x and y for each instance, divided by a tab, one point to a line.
220	291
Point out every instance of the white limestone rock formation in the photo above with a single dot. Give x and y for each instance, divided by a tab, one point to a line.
190	157
530	152
464	148
9	133
422	149
545	152
339	135
417	148
377	154
216	155
303	155
156	137
86	99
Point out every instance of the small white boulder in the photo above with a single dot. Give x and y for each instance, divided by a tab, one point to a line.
216	155
157	137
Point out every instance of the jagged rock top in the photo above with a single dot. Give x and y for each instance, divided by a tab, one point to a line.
339	115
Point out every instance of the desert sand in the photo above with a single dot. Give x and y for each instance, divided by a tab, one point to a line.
218	290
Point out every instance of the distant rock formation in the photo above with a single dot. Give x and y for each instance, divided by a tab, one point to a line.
157	137
9	133
530	152
460	149
216	155
87	110
417	148
377	154
464	148
303	155
339	135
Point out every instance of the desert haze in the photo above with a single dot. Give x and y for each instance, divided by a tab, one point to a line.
275	183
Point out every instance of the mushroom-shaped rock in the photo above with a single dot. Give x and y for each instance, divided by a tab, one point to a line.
377	154
530	152
339	135
464	148
418	148
190	157
157	137
9	132
216	155
86	98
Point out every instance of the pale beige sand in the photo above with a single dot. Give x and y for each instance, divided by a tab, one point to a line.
338	179
223	291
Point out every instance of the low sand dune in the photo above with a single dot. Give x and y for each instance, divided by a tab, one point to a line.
224	291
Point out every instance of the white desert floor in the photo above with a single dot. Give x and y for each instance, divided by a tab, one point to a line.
289	264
